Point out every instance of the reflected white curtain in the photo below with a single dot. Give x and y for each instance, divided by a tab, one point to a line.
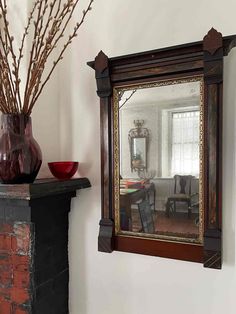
185	143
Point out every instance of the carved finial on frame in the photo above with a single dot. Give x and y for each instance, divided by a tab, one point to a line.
212	41
101	62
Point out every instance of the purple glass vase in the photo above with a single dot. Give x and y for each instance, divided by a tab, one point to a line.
20	154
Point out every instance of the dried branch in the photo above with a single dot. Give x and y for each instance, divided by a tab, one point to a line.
6	73
9	40
26	32
128	98
50	19
31	63
60	57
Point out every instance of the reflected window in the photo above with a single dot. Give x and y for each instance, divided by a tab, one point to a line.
185	143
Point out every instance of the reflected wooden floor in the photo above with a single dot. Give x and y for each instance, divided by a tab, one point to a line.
178	224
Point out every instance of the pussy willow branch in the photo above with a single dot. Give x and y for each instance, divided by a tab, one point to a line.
38	67
127	99
6	74
42	58
46	28
41	44
69	18
33	47
50	19
50	45
45	50
26	32
40	26
3	96
5	68
10	39
6	40
55	63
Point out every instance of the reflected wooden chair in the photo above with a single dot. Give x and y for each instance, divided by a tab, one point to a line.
146	217
195	207
182	193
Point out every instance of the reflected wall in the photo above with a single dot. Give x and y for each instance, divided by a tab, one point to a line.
159	145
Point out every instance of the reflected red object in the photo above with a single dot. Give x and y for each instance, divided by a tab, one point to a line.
63	169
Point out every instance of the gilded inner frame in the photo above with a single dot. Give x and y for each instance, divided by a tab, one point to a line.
116	164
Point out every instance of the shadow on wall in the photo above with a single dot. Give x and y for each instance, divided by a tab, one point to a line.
69	117
229	160
65	113
79	139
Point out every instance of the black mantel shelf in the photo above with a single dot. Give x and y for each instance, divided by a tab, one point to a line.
34	268
41	188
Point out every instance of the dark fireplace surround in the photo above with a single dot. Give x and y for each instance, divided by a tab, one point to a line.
34	269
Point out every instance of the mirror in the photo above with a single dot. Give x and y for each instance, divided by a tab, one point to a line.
138	141
161	150
159	190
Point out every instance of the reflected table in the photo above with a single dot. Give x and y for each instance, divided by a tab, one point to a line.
129	197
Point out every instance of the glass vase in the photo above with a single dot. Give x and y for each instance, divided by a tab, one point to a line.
20	154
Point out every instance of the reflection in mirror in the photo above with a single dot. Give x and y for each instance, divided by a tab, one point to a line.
138	153
138	141
160	176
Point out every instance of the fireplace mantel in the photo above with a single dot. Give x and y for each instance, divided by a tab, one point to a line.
34	270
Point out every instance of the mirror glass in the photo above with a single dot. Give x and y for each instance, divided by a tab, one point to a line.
138	152
160	148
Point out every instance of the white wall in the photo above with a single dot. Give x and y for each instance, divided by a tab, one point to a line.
120	282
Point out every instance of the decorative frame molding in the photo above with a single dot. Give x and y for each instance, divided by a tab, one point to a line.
203	58
116	161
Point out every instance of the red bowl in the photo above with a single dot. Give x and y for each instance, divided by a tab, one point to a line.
63	169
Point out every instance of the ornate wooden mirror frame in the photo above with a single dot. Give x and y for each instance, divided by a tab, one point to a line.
202	59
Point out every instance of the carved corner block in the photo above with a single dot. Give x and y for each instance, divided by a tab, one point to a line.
212	41
101	66
212	249
106	236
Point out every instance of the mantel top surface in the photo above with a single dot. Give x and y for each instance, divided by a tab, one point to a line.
42	188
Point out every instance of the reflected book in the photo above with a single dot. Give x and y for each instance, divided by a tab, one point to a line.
132	183
127	191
